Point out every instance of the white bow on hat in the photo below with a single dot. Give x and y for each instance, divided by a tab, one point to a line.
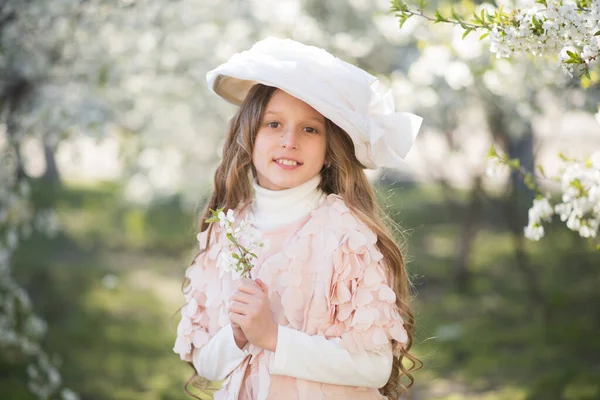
345	94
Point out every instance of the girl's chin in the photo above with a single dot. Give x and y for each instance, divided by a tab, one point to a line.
282	183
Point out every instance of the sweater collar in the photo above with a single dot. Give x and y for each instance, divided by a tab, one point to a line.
276	208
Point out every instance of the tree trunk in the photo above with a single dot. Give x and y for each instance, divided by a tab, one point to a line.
12	97
472	216
52	175
521	147
518	144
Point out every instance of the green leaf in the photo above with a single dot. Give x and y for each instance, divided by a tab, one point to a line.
484	36
541	169
585	73
562	156
439	17
492	152
467	31
598	247
597	33
218	211
529	182
455	15
403	19
576	183
398	6
514	163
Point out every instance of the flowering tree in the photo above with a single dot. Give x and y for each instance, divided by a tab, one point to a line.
32	64
569	32
129	68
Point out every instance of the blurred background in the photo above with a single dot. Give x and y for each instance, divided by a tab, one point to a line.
108	142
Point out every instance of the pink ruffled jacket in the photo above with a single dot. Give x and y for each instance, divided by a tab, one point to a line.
326	278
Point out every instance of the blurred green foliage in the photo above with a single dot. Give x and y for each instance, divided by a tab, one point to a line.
109	286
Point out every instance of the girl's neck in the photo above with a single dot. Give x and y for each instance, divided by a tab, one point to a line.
275	208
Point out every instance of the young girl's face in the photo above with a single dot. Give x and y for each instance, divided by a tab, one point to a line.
289	148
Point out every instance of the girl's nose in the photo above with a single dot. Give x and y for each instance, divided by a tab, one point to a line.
289	138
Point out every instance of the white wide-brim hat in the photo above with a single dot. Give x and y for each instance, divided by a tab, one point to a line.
343	93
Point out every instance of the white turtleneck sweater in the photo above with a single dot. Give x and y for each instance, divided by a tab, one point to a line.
297	354
276	208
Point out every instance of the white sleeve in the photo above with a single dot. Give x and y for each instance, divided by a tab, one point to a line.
316	358
219	356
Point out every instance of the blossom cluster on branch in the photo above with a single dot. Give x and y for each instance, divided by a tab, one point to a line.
579	204
568	30
244	240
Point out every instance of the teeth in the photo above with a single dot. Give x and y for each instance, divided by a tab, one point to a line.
286	162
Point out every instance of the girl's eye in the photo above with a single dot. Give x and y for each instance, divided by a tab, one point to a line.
272	124
310	129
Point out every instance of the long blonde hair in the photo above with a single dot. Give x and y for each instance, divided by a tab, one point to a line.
343	176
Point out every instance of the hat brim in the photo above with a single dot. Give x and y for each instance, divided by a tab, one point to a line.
233	90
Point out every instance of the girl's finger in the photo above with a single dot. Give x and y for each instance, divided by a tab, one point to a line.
241	297
250	288
262	286
239	308
237	319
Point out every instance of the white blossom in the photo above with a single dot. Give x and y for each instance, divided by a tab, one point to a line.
541	210
232	259
534	232
564	28
579	207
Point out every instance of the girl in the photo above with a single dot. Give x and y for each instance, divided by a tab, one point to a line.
327	314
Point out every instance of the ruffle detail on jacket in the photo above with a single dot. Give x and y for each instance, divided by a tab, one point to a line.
205	311
361	301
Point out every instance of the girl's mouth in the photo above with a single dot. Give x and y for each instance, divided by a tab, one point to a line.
287	164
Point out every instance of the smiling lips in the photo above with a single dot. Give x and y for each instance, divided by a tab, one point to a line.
285	162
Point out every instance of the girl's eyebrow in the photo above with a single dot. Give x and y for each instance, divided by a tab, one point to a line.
316	119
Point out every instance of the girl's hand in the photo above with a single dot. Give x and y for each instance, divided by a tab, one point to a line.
249	308
238	335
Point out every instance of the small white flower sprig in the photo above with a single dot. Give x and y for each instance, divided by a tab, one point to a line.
244	238
566	29
579	207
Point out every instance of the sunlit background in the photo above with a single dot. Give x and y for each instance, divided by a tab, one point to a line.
118	137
